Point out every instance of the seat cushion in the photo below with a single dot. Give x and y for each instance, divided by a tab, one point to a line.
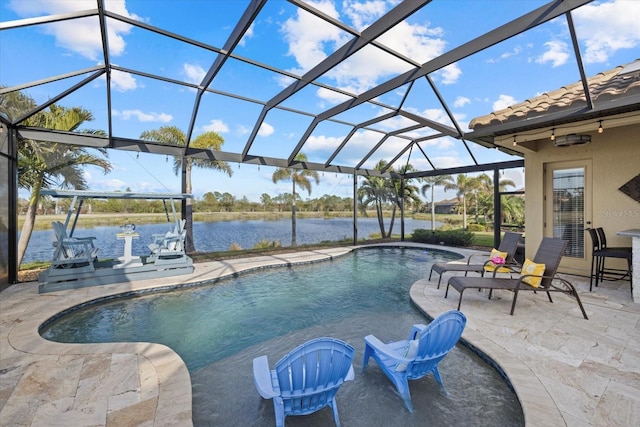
531	268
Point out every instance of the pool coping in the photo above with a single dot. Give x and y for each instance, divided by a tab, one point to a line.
164	385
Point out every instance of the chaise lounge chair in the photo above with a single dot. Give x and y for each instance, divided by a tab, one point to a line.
307	379
549	254
509	244
418	355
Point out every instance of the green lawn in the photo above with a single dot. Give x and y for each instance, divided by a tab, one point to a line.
483	238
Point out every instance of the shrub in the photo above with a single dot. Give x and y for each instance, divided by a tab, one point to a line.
235	247
476	227
446	237
266	244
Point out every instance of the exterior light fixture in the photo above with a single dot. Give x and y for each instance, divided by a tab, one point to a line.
572	139
514	141
600	129
553	134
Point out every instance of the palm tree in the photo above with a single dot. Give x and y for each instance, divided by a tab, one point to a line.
408	197
375	190
464	186
484	197
300	177
209	140
431	182
482	186
512	210
46	165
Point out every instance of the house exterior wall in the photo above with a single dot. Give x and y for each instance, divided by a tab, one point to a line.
615	159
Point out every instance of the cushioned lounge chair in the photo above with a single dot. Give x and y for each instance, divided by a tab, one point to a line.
509	244
419	354
306	379
549	253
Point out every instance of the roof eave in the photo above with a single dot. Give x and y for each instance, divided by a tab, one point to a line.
486	134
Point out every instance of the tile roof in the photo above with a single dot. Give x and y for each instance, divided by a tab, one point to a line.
606	86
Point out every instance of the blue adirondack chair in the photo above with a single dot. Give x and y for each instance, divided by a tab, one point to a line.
417	356
307	379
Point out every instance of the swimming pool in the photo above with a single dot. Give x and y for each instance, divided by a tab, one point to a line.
219	329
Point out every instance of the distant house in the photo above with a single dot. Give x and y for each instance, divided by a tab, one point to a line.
446	206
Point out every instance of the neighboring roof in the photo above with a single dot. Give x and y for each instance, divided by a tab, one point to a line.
619	83
448	201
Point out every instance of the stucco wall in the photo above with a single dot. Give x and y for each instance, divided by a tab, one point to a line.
615	159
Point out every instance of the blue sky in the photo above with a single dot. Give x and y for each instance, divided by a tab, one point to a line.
290	39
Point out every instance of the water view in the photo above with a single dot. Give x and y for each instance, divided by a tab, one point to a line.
218	236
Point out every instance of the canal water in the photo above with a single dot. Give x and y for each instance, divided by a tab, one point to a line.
220	235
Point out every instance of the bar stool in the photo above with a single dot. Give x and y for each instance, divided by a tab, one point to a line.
599	255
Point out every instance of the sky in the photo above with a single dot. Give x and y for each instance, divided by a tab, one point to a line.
290	39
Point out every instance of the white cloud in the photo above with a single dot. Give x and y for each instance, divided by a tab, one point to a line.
307	35
216	126
265	129
362	14
419	42
247	35
516	50
81	36
444	162
450	74
310	41
193	73
607	27
332	96
322	142
142	116
557	53
516	176
503	102
461	101
122	81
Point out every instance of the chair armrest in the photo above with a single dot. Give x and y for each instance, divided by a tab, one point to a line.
262	378
474	255
416	330
509	267
384	349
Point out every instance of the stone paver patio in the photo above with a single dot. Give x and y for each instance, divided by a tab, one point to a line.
565	370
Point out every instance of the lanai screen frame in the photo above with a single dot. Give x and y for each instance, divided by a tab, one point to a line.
14	129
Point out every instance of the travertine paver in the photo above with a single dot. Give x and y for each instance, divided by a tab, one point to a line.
565	370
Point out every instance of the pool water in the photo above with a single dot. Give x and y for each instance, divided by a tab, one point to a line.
219	329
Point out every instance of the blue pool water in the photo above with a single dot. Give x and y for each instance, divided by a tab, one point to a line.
219	329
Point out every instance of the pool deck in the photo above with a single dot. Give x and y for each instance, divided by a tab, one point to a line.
566	371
